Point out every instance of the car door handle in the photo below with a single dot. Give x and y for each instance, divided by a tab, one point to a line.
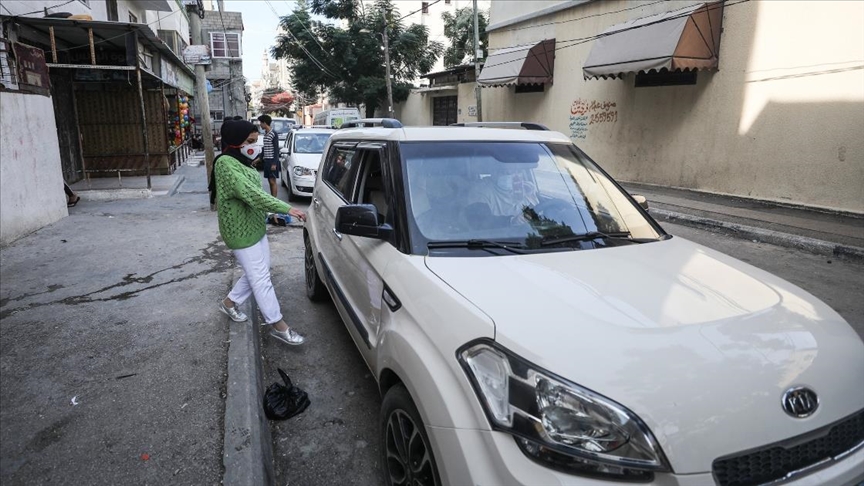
317	202
337	234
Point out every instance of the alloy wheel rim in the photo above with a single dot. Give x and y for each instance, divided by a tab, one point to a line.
409	462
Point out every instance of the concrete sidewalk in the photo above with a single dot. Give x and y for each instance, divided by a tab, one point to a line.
821	232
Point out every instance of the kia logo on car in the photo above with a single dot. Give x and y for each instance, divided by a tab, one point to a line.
800	402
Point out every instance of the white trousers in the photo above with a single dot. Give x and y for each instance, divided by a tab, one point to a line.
255	262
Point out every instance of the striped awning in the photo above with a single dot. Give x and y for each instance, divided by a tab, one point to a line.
682	39
529	64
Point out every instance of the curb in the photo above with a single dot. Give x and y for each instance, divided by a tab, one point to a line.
812	245
180	180
247	446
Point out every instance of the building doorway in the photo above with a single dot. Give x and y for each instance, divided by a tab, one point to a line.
444	110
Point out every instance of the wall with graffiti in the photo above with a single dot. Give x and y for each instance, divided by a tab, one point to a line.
585	113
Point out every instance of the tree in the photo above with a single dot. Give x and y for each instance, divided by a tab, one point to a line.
459	29
348	63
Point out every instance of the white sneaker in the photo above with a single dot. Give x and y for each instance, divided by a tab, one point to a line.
232	312
288	336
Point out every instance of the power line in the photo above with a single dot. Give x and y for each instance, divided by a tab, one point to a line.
580	18
40	11
314	60
418	10
116	36
582	40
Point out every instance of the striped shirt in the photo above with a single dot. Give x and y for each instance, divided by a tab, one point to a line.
270	143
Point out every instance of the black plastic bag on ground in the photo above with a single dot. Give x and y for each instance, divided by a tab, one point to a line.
284	401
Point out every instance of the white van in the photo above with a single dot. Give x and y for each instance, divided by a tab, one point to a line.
335	117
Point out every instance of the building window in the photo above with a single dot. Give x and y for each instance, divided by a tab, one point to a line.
225	44
113	14
530	88
425	7
132	18
217	115
665	78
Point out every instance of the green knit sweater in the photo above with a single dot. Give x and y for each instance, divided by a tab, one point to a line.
241	203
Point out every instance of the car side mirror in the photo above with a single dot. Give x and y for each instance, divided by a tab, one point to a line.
284	151
640	200
361	220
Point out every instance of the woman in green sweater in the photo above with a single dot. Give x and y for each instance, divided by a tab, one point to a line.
242	209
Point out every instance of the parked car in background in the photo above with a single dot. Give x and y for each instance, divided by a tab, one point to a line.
300	155
283	126
335	117
529	323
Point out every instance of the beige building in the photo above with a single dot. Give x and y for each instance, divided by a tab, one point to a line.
780	117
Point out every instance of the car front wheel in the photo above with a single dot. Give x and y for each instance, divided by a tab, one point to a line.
408	458
315	289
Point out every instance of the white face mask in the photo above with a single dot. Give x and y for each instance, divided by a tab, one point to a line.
251	151
505	182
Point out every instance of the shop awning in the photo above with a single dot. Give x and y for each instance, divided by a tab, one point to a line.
520	65
683	39
106	35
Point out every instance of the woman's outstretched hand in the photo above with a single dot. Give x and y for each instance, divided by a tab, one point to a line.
297	214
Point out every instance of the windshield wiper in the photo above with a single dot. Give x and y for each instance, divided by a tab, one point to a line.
594	235
510	246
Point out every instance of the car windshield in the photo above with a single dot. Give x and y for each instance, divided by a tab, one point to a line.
530	195
310	143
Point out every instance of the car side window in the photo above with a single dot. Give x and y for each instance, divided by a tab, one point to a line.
372	188
340	171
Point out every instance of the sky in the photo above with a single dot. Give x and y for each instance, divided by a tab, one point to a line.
259	29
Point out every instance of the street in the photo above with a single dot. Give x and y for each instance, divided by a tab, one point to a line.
113	352
336	440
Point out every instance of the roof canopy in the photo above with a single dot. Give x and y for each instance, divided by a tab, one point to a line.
682	39
520	65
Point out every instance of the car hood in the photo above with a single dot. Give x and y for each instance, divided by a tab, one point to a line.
699	345
310	161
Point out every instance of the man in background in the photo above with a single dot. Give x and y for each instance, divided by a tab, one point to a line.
271	153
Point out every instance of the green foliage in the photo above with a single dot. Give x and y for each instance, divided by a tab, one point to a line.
459	29
348	62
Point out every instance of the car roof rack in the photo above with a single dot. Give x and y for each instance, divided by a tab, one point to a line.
373	122
523	125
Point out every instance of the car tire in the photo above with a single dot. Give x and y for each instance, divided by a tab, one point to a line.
291	196
407	456
315	290
283	182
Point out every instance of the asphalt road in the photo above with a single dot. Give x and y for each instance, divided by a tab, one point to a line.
335	441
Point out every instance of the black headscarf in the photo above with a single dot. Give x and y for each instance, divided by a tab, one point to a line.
234	133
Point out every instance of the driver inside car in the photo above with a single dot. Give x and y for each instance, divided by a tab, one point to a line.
509	191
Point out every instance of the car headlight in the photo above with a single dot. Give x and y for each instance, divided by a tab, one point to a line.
302	171
558	423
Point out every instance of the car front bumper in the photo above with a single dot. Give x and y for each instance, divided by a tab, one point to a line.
302	185
483	457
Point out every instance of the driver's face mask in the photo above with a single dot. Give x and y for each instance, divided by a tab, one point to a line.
513	182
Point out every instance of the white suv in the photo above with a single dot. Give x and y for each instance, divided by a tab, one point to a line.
529	323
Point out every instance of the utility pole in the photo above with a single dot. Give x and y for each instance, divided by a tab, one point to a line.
203	98
387	72
478	53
